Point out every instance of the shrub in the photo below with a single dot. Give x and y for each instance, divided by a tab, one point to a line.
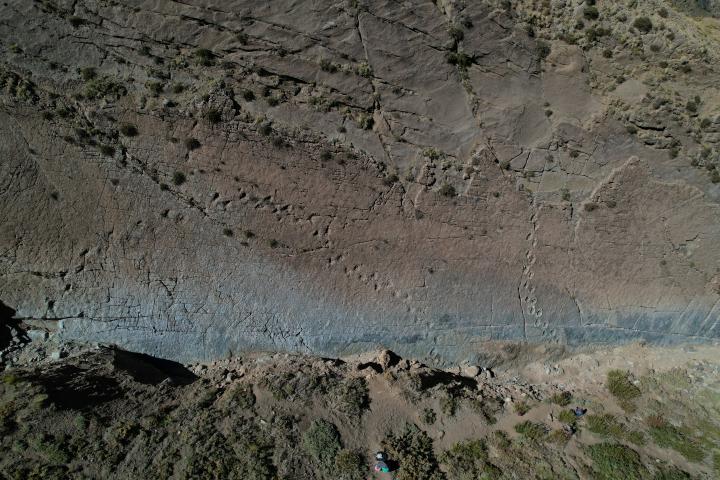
532	430
204	56
543	50
449	404
213	116
88	73
567	416
325	156
455	33
521	407
76	21
179	178
128	129
619	384
107	150
589	207
349	465
663	12
561	398
155	88
364	70
192	143
413	449
273	243
591	13
103	87
429	416
447	190
248	95
178	88
605	424
668	436
365	121
643	24
322	441
671	473
390	179
460	59
228	232
469	461
273	101
613	461
353	397
327	66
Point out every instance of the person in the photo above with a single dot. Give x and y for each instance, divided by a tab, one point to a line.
381	466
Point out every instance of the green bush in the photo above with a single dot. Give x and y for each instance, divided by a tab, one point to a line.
413	450
204	57
349	465
567	416
107	150
154	87
644	24
531	430
390	179
591	13
365	121
353	397
213	116
619	384
521	407
613	462
447	190
179	178
455	33
192	143
429	416
128	129
469	461
364	70
327	66
76	21
605	424
460	59
322	441
562	398
671	473
668	436
543	50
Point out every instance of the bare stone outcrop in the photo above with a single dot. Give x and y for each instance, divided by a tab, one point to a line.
196	179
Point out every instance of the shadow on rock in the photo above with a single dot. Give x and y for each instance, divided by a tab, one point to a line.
150	370
10	331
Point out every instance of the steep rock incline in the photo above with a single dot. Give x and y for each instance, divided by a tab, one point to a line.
196	179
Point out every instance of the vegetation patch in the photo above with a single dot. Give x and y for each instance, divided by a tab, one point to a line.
612	461
668	436
469	461
322	441
622	388
413	450
532	430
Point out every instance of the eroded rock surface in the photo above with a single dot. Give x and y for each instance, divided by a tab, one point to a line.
195	179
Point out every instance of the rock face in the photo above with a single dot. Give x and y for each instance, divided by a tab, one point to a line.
191	180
